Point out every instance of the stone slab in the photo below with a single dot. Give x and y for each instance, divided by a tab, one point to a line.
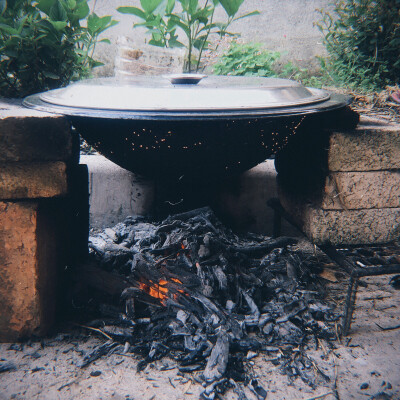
27	135
373	145
358	190
33	180
115	193
366	226
27	270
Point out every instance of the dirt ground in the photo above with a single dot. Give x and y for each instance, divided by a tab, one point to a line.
364	365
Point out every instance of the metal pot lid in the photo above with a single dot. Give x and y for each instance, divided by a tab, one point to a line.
161	94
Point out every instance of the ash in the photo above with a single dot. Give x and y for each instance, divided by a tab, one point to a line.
192	290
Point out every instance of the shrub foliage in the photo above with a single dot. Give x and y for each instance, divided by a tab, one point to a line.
363	41
44	46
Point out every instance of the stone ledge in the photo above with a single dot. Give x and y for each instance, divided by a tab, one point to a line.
33	180
358	190
27	135
373	145
366	226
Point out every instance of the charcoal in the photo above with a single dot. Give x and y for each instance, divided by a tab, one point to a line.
258	390
7	366
197	292
97	353
218	360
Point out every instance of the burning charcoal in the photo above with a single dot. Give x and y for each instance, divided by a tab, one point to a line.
111	234
7	366
246	344
395	281
117	331
97	353
130	308
139	261
268	328
288	332
191	368
98	244
206	296
230	305
255	312
258	390
203	252
238	390
218	360
251	354
209	391
381	396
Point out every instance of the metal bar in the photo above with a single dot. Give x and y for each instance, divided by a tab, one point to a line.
350	304
277	224
376	270
342	261
277	207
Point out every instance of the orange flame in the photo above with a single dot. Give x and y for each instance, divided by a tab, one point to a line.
159	290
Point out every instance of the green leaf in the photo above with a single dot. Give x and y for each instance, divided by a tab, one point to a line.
97	24
132	10
82	10
170	6
51	75
59	25
3	6
45	5
231	6
193	4
105	41
158	43
247	15
175	43
181	24
71	4
8	29
150	5
57	12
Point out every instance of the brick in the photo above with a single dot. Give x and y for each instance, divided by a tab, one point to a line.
366	226
28	258
33	180
373	145
358	190
28	135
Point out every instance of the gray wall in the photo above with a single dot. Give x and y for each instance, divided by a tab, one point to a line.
286	26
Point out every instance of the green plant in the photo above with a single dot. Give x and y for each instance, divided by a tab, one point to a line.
247	59
195	18
362	38
317	79
44	46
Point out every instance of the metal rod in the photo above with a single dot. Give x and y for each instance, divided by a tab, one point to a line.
350	304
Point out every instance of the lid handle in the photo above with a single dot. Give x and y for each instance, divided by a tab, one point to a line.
185	79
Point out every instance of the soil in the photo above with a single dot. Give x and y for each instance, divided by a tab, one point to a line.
360	366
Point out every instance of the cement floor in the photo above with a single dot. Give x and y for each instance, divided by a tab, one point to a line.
369	358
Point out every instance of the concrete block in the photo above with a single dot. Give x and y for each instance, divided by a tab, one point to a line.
33	180
27	135
115	192
241	201
28	258
373	145
358	190
146	60
366	226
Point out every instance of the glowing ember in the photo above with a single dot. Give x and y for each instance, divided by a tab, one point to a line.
159	290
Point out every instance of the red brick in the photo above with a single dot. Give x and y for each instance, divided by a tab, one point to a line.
28	261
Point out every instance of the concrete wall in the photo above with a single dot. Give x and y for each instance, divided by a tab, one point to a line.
286	26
